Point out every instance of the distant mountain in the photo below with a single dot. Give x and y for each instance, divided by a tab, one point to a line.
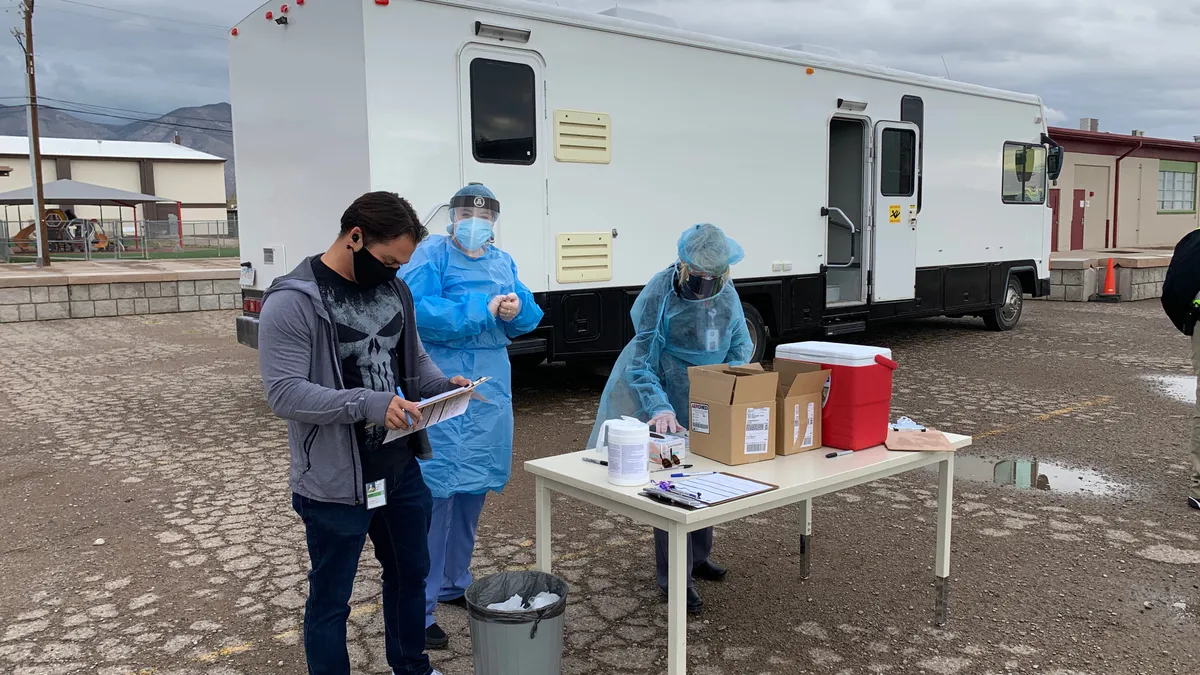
205	128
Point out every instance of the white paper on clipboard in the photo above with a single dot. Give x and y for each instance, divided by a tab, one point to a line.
440	408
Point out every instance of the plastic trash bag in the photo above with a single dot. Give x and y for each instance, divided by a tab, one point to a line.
499	588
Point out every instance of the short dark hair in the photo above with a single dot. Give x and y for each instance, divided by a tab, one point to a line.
383	217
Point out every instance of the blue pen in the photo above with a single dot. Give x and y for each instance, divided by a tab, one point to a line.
407	417
689	475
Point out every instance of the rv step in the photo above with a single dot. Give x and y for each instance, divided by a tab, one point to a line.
845	328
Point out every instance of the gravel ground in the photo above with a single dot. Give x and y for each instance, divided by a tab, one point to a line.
148	527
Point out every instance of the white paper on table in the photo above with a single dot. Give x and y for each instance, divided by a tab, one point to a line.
721	487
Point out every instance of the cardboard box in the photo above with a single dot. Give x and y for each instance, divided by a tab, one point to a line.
801	387
732	413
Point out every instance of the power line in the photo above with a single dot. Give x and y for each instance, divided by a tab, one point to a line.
135	112
167	125
157	17
156	116
113	20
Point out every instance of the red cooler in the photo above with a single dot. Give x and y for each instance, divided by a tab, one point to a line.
858	394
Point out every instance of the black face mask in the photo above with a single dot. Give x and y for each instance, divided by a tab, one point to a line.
369	272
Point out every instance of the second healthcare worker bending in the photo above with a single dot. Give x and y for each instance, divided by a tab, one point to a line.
469	306
687	315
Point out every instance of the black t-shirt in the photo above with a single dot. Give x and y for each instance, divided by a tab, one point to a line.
369	323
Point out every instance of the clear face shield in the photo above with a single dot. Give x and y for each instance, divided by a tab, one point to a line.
695	285
467	212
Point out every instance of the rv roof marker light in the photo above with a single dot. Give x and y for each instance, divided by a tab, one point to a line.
234	32
809	71
382	2
283	9
852	106
270	16
299	2
502	33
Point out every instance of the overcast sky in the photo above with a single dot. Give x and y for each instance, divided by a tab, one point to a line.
1132	64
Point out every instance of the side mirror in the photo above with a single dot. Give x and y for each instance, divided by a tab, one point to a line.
1054	162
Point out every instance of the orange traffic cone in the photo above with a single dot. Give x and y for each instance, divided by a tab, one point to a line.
1110	285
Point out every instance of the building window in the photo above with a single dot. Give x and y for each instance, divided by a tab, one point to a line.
1024	174
1176	187
898	163
912	109
503	112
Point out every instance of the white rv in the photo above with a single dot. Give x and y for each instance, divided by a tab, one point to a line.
861	194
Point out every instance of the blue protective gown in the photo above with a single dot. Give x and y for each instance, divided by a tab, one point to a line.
673	334
472	453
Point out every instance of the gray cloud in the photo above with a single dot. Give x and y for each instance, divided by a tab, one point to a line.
1130	64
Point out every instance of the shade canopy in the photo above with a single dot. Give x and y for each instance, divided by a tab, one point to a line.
84	194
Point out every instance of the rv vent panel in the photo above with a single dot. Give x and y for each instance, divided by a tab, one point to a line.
584	256
582	137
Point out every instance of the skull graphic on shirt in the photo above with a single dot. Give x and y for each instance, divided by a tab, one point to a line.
368	336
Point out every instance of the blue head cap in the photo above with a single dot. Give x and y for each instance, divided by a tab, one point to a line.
706	249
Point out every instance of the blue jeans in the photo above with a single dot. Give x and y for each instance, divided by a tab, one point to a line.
336	534
451	545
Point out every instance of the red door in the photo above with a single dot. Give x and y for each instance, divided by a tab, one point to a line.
1054	219
1077	207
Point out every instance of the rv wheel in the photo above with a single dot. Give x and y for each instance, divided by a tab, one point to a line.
1006	316
758	331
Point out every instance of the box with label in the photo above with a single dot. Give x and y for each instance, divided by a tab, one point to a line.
731	413
801	389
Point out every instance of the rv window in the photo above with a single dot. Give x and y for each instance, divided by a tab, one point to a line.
897	163
912	109
503	112
1024	174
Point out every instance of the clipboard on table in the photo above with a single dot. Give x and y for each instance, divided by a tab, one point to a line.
697	492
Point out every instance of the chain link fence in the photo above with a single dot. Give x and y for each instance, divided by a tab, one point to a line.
121	240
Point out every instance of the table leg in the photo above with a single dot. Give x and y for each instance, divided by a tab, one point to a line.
677	572
542	528
805	537
942	564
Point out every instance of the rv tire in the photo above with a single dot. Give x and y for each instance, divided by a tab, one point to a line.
758	331
1006	316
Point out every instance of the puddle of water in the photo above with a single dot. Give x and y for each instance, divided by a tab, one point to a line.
1182	388
1032	474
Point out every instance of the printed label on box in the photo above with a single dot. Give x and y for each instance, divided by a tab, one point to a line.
758	430
700	418
808	433
796	425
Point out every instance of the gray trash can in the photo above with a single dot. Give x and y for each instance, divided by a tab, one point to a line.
517	643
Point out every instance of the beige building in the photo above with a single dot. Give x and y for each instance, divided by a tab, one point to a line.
1122	190
193	179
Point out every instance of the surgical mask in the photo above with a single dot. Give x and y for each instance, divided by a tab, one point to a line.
369	272
472	234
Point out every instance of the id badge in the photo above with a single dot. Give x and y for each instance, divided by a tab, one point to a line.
376	494
712	340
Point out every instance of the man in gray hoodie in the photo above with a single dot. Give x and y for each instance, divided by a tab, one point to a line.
342	362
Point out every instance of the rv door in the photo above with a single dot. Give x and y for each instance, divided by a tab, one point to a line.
502	99
894	263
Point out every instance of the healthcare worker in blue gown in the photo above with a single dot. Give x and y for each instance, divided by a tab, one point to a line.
687	315
469	305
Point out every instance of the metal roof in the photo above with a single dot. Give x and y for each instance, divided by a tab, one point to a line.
83	147
1125	140
74	192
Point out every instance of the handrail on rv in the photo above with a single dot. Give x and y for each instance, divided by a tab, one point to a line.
429	218
828	211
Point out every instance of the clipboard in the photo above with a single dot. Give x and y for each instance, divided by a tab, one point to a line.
440	408
712	490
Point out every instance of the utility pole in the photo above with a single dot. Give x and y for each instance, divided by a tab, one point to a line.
25	39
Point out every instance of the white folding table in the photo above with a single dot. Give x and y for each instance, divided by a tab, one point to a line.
800	478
